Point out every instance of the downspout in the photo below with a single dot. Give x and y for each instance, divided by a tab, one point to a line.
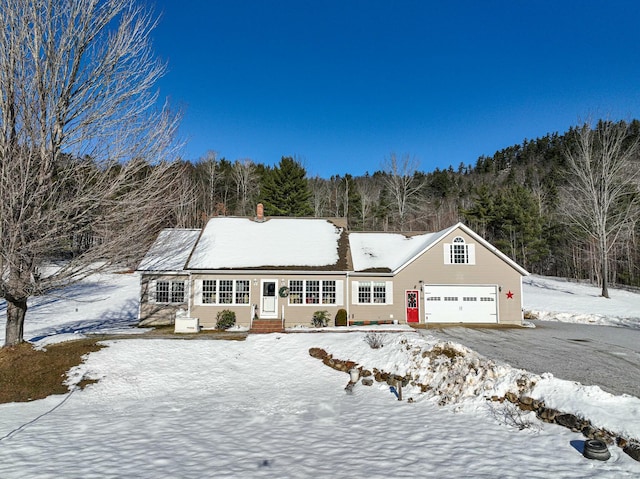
521	303
190	296
420	300
348	288
140	300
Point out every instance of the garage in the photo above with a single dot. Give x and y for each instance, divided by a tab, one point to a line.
445	303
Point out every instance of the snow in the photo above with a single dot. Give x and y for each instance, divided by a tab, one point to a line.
573	302
386	250
170	251
264	407
243	243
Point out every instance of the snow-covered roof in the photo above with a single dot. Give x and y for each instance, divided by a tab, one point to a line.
232	243
286	243
393	251
170	251
375	251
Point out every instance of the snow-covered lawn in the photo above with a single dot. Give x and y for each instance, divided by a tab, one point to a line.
572	302
265	408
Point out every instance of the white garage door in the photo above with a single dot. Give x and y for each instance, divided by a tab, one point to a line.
460	304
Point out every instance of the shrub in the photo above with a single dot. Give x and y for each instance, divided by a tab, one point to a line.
341	317
225	319
320	319
375	340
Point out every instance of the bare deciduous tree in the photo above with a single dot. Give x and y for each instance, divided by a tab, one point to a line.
246	180
401	184
320	192
369	190
602	197
83	146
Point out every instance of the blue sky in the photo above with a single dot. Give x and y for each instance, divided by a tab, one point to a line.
341	85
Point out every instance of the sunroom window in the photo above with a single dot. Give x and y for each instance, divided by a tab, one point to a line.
169	292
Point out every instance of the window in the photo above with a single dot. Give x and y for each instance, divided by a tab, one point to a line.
209	291
459	252
379	293
225	291
296	291
177	291
169	291
313	292
364	292
242	291
373	292
328	292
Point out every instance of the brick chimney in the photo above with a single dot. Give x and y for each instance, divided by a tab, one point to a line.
260	212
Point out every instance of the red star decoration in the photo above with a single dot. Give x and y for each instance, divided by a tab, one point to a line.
509	295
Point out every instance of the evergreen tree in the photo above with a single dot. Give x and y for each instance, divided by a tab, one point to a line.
285	190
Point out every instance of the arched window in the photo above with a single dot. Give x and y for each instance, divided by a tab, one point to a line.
459	252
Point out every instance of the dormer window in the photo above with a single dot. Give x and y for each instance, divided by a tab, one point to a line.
459	252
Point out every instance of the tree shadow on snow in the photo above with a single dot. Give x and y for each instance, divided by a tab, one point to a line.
124	318
77	292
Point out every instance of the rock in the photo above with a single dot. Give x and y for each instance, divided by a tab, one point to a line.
547	414
367	382
633	450
537	405
569	421
526	400
526	407
317	353
511	397
589	431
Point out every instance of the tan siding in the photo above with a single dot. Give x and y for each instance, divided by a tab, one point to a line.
430	268
294	314
489	269
151	313
376	312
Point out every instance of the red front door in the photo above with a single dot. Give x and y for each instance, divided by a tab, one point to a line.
413	315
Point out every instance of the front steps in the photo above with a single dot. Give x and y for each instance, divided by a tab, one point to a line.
266	326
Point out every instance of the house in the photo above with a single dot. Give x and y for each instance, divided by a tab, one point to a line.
281	270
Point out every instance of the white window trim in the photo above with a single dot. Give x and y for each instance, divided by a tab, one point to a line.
152	290
388	294
339	293
470	251
198	287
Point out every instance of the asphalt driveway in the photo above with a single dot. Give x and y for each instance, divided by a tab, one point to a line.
605	356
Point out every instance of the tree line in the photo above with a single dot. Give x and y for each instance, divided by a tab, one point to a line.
529	200
88	169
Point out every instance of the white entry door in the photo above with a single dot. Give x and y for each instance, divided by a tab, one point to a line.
461	303
269	299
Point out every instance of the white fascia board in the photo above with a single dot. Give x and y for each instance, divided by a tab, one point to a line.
476	237
493	249
162	272
436	240
266	272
